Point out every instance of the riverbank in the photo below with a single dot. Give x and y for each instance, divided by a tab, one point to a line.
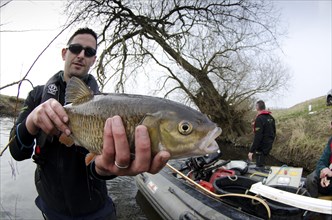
10	106
301	135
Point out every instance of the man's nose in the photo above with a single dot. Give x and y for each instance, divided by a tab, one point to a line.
81	54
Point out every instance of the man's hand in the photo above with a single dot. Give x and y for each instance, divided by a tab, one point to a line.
326	172
50	117
250	156
324	182
115	159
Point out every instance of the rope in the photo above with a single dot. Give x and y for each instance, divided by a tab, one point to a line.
234	178
224	195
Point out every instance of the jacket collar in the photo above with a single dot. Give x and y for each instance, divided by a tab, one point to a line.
56	85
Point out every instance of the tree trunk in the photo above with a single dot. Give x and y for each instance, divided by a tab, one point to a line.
218	109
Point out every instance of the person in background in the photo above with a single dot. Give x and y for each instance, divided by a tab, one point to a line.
67	188
318	182
265	132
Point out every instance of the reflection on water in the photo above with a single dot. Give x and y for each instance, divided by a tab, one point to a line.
18	192
129	204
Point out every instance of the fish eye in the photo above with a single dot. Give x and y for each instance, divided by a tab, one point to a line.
185	127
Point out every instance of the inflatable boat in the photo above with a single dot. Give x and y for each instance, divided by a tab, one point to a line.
210	188
174	199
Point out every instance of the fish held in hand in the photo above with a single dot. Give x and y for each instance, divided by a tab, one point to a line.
172	126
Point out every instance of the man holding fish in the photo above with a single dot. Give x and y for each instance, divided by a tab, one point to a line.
94	138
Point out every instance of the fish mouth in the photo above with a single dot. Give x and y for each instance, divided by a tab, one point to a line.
208	143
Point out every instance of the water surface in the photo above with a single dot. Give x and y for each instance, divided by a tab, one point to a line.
17	189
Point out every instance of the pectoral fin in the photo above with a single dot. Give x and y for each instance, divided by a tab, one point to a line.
66	140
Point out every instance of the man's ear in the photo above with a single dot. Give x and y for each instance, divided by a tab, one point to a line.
63	53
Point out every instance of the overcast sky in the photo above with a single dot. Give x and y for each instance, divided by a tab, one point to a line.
307	49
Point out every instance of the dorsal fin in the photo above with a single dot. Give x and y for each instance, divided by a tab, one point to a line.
77	91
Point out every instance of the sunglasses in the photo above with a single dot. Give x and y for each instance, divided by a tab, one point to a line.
77	48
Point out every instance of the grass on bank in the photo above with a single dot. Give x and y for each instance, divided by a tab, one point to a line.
10	106
302	135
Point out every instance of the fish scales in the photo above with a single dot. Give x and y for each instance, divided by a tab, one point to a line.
172	126
87	120
88	130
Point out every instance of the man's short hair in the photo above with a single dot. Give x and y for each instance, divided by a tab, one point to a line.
261	105
83	31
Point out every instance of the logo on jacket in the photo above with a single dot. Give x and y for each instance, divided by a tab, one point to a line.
52	89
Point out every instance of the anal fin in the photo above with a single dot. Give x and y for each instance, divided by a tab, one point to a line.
89	158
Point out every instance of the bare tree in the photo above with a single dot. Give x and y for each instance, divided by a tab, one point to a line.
25	77
4	3
216	53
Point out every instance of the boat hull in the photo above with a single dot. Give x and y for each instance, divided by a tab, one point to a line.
174	199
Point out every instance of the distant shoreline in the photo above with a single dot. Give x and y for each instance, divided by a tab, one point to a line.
10	106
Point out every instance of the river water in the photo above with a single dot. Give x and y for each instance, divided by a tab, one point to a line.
17	188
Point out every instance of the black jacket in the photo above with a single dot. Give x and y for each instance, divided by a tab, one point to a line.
265	133
62	179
